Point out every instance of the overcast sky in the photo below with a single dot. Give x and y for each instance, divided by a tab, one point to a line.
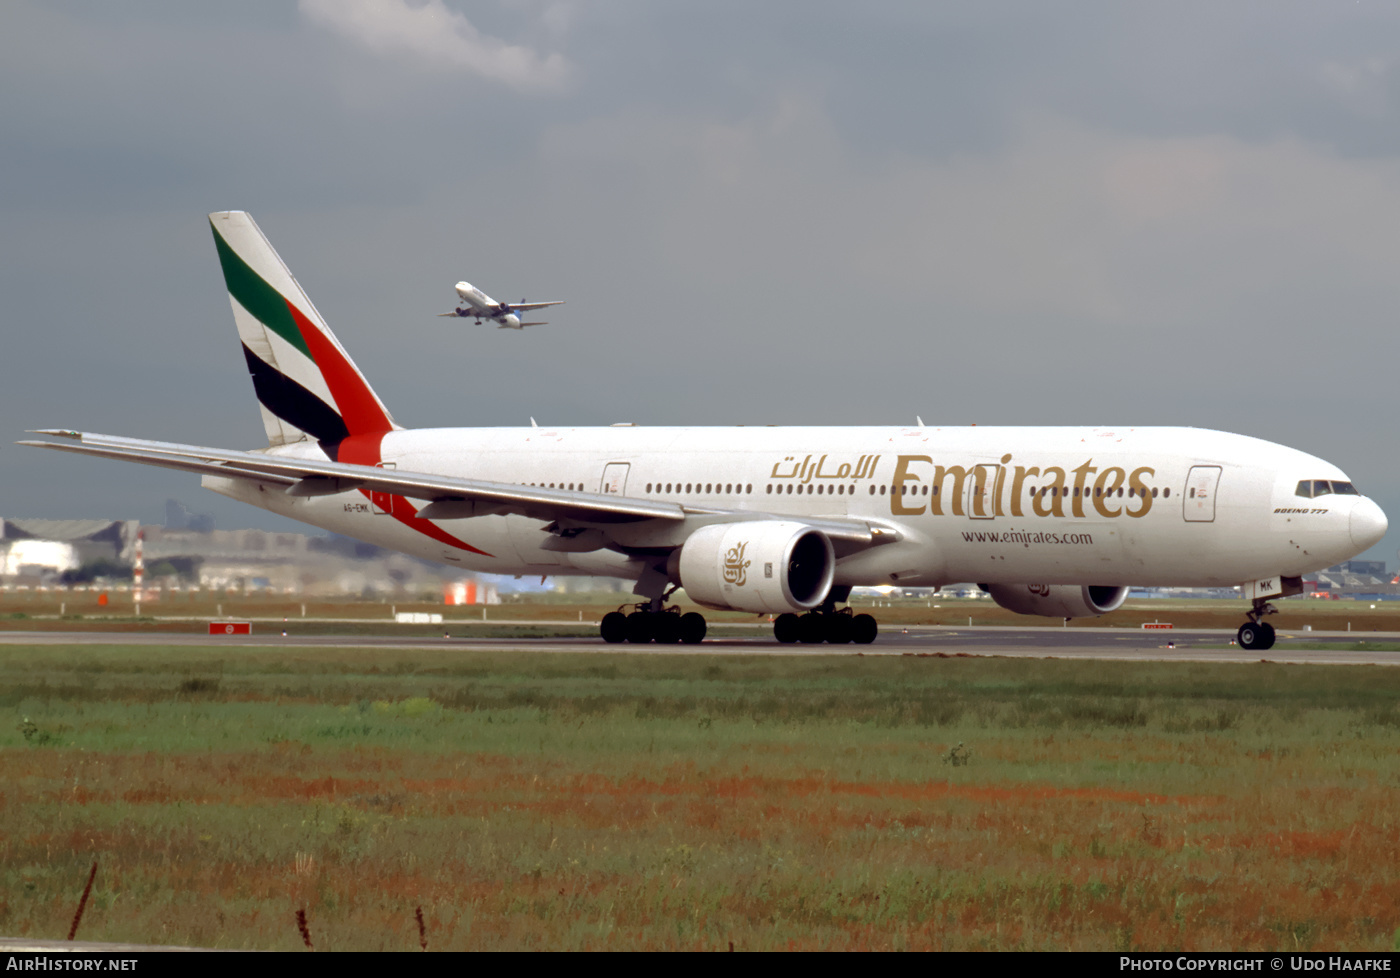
797	213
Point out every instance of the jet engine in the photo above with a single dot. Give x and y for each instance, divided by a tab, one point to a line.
1057	600
762	566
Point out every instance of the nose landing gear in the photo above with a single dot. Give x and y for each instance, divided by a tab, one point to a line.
1255	633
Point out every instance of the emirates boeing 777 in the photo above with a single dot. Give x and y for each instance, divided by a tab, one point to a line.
770	520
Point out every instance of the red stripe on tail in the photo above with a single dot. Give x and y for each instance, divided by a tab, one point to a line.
358	406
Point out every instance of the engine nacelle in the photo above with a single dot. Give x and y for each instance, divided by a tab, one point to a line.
761	566
1057	600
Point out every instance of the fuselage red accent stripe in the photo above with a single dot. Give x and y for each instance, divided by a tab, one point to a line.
364	449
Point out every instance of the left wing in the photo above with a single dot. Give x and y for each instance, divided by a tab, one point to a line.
528	306
448	497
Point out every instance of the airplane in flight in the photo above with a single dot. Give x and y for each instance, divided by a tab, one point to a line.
477	305
785	521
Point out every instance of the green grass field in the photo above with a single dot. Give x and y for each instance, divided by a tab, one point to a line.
528	800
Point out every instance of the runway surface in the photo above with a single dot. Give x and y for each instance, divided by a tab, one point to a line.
1185	645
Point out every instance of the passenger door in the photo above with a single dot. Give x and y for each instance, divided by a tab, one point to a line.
1198	501
615	478
981	490
383	502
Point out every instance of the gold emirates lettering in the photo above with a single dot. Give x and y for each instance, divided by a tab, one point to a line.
1048	489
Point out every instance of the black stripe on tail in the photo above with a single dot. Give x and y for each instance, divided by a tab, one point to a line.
294	404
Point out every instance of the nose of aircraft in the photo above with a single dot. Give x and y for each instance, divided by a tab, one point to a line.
1368	524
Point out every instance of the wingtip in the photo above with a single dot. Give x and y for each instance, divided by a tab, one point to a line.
56	432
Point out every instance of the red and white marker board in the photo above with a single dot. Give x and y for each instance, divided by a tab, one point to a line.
230	628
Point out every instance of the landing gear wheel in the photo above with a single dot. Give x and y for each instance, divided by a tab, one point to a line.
667	627
692	628
838	629
1256	636
863	629
785	629
811	628
614	627
639	627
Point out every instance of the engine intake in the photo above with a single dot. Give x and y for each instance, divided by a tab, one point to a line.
1057	600
761	566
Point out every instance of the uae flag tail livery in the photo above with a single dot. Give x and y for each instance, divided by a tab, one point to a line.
307	385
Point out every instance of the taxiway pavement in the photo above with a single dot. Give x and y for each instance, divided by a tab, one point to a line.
1185	645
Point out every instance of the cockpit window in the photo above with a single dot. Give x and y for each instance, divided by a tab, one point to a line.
1312	488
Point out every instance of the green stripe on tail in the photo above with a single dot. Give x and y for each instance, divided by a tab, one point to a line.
264	302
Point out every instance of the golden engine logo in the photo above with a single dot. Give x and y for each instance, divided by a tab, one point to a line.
736	568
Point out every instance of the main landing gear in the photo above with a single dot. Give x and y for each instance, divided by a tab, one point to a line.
1257	634
665	625
826	625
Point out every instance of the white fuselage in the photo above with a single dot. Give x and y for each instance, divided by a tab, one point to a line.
1112	506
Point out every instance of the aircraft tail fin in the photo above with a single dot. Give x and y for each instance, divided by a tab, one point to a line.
307	385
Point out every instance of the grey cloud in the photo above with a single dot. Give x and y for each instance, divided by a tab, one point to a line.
430	35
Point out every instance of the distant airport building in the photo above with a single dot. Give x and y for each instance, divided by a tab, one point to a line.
38	549
188	554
